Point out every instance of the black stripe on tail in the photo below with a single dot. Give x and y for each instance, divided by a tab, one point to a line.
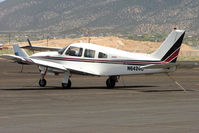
177	45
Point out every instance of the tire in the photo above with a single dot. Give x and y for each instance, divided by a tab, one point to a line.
67	85
110	83
42	82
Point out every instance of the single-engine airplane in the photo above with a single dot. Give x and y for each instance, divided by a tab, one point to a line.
91	59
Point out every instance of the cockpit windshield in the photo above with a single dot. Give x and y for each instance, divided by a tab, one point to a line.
74	51
62	50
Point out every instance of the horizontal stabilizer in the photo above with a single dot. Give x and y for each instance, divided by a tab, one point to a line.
161	66
13	58
169	65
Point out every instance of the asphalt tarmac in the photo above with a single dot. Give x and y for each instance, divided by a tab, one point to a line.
138	104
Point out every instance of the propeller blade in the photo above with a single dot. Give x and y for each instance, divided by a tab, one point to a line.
30	46
29	42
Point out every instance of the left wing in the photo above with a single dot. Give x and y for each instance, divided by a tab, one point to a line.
46	64
72	68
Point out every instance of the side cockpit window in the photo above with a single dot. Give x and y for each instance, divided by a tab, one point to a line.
74	51
102	55
89	53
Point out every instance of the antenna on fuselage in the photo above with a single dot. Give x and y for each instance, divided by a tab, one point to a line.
88	35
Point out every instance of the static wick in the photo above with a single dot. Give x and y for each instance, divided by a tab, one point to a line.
176	82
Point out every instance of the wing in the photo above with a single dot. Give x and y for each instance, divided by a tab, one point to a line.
46	64
19	59
13	58
73	69
30	61
41	48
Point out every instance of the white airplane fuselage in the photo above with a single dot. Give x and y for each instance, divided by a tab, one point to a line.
117	62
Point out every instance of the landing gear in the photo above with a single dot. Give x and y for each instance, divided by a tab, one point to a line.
66	82
110	82
42	82
66	85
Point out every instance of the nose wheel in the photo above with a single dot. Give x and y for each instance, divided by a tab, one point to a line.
42	82
67	85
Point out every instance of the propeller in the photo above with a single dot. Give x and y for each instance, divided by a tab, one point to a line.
31	48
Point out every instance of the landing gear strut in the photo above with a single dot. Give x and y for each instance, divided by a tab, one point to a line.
110	82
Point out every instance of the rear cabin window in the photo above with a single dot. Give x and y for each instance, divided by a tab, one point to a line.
102	55
89	53
74	51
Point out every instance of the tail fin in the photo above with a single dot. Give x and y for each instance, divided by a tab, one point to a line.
19	51
170	48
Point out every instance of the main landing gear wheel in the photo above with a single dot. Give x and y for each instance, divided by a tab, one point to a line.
66	85
110	82
42	82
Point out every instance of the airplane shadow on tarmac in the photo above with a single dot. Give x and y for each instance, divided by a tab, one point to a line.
143	88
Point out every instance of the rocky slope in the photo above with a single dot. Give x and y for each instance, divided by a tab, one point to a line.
114	16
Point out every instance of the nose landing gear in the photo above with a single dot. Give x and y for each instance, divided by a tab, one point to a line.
67	85
66	82
42	81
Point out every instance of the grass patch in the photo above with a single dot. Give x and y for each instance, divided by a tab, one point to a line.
10	51
6	51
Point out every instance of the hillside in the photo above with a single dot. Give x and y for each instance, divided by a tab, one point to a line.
111	41
114	16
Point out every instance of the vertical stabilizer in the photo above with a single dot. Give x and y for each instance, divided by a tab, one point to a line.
170	48
19	51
